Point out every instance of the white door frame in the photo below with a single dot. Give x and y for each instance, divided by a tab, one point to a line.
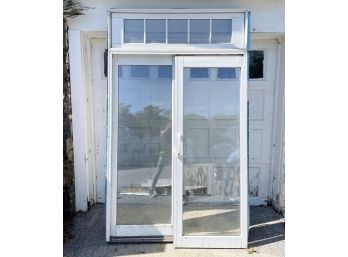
209	241
112	229
87	38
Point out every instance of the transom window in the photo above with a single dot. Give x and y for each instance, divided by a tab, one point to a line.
207	28
178	31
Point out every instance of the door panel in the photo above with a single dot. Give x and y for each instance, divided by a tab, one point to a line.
99	108
208	182
260	96
144	145
211	155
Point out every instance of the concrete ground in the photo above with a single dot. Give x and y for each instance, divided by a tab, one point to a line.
86	237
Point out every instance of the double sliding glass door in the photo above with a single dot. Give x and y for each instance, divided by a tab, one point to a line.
178	150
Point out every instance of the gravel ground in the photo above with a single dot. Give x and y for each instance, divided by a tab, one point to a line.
86	237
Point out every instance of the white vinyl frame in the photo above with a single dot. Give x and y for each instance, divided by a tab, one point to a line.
114	230
155	56
182	62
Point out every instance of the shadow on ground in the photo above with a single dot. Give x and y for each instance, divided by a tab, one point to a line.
87	237
266	226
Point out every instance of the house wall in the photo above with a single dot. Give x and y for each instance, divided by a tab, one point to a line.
266	15
277	178
267	21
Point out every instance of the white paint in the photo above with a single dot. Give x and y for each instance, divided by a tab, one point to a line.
99	111
143	230
174	50
266	15
213	61
244	196
88	98
277	178
78	120
261	98
110	196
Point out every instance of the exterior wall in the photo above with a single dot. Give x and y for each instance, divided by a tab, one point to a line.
266	15
78	117
277	181
267	20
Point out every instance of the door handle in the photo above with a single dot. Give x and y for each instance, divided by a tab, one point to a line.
179	154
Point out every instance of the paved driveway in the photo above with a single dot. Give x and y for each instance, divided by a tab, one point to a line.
87	238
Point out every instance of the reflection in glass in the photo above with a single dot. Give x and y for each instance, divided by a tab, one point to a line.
199	31
139	71
177	31
226	73
211	166
221	31
165	71
199	73
155	31
133	31
144	146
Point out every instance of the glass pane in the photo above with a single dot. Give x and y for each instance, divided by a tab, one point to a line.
139	71
155	31
133	31
221	31
199	31
177	31
165	72
144	148
199	73
120	71
226	73
211	166
256	59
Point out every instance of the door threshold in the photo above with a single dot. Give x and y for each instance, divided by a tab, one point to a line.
141	239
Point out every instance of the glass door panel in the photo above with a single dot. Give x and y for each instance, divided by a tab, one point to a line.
211	151
210	180
144	143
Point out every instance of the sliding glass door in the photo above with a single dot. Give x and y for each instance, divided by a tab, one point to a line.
179	156
211	208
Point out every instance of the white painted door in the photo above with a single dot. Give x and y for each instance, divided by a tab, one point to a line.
210	133
99	104
261	98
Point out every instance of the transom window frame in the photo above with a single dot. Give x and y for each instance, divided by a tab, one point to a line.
239	38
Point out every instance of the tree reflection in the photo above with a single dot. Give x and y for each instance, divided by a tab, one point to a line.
140	137
151	117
